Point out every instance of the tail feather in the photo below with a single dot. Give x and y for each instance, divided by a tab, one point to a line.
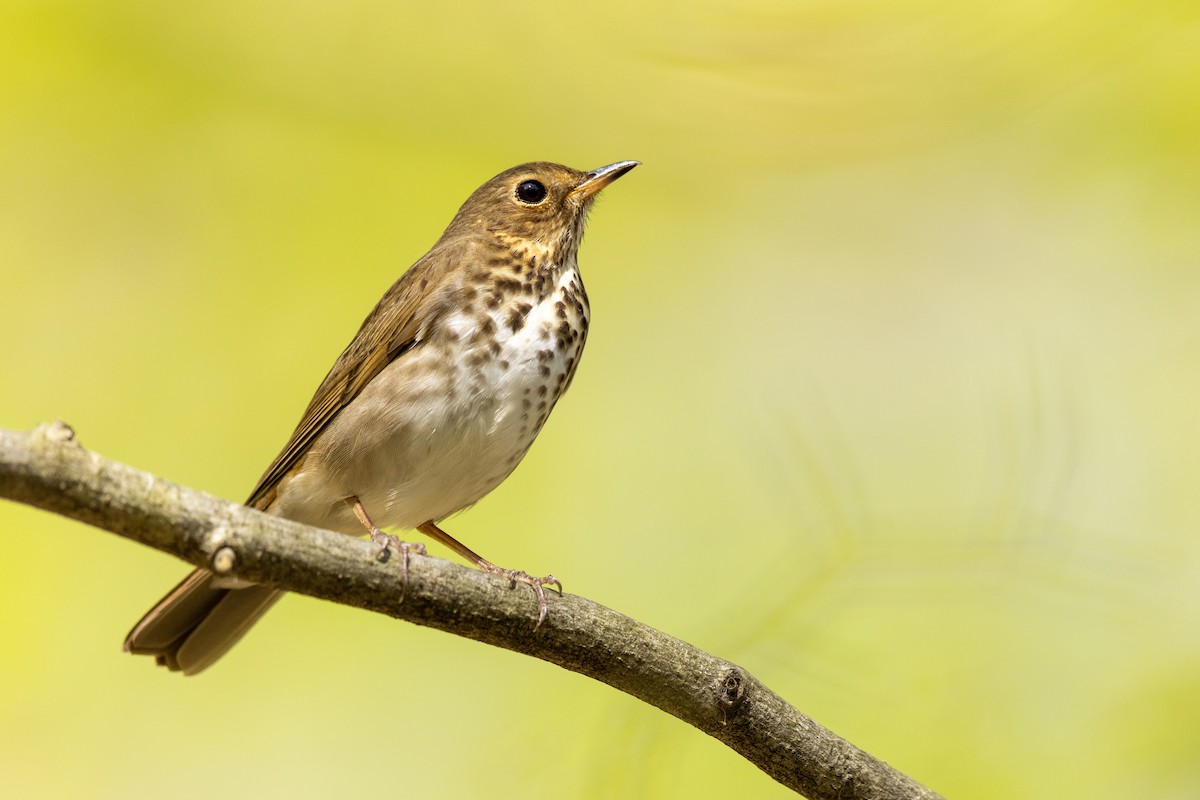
197	622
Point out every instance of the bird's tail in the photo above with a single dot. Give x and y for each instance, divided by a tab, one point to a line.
196	622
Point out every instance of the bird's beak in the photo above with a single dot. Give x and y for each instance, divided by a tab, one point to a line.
597	179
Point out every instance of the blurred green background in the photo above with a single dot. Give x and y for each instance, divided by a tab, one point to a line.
890	394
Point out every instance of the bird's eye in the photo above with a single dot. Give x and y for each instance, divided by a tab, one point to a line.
531	192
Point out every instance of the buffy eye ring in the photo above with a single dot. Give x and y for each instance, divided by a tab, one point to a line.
531	192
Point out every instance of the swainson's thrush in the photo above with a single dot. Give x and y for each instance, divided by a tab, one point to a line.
434	402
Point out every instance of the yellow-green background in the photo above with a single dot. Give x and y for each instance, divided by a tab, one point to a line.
890	395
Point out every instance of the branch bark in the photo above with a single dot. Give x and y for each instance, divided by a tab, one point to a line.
49	469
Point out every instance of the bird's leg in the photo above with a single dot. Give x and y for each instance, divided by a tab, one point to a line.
514	575
384	540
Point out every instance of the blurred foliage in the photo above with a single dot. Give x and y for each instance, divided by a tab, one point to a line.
889	397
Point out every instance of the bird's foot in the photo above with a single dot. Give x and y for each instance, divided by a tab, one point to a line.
514	576
538	585
387	542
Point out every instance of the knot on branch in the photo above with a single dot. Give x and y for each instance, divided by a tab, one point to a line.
731	691
55	432
224	561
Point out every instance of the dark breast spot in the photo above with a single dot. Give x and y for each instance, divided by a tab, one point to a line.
516	317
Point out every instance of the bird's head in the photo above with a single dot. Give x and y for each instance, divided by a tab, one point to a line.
538	206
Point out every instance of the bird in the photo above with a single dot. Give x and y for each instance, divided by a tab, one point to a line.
434	402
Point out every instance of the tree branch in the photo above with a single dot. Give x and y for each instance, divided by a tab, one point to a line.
49	469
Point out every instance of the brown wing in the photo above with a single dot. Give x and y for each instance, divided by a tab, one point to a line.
391	328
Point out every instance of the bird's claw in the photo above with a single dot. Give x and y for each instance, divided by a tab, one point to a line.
386	543
538	585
